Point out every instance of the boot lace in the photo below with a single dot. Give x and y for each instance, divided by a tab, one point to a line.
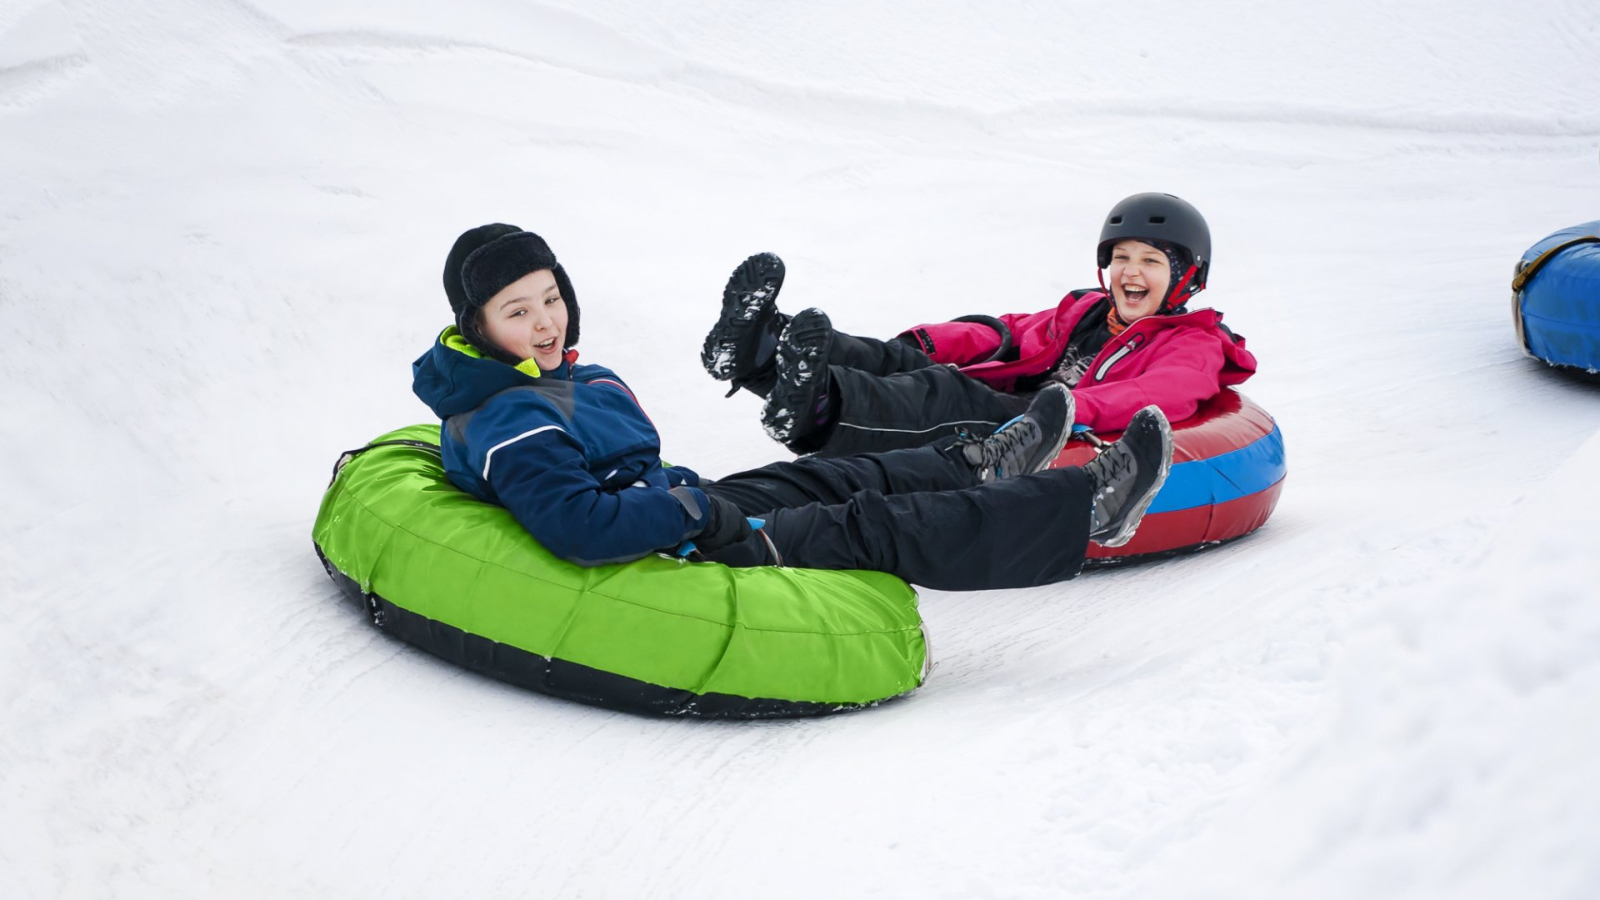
1112	465
1002	452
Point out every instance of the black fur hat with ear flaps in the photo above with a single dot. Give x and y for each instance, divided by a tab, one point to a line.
486	259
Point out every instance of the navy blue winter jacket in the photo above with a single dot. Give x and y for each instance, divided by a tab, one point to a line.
570	453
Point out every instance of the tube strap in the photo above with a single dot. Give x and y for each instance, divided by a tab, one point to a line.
1525	272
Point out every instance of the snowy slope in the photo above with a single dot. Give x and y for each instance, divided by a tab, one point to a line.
219	249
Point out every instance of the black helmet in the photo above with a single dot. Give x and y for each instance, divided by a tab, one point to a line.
1160	217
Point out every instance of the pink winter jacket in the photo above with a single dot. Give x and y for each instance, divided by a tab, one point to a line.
1172	361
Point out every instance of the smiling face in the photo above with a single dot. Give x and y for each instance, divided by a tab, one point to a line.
528	319
1138	276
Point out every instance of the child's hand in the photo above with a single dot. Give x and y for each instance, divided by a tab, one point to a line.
725	525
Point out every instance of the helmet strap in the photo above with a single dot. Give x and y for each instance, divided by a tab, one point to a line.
1178	290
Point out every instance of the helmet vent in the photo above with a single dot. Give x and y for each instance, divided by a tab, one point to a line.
1116	220
1158	220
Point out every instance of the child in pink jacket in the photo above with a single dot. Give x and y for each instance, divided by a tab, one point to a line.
1129	344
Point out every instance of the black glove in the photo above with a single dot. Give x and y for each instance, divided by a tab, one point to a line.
725	525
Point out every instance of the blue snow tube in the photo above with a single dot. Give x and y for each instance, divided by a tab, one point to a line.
1555	298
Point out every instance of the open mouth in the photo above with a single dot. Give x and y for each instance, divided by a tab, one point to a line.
546	345
1134	294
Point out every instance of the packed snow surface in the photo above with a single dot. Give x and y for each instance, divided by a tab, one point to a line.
220	243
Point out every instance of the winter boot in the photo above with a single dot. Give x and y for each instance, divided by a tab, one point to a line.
798	407
1126	476
741	345
1028	443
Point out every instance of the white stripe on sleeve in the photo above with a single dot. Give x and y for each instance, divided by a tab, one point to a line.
488	457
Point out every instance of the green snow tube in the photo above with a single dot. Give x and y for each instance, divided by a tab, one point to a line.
462	580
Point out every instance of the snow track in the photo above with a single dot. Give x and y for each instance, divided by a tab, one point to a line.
219	252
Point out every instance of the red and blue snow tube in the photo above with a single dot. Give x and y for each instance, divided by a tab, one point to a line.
1555	299
1227	470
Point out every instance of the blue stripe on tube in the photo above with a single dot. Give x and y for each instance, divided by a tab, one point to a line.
1238	473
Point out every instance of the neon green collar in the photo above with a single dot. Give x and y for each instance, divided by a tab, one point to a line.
451	338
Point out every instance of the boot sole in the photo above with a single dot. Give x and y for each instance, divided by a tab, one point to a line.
1131	523
739	319
791	397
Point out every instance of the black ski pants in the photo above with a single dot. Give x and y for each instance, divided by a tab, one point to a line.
917	514
891	396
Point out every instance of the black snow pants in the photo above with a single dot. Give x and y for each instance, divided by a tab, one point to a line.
891	396
916	514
